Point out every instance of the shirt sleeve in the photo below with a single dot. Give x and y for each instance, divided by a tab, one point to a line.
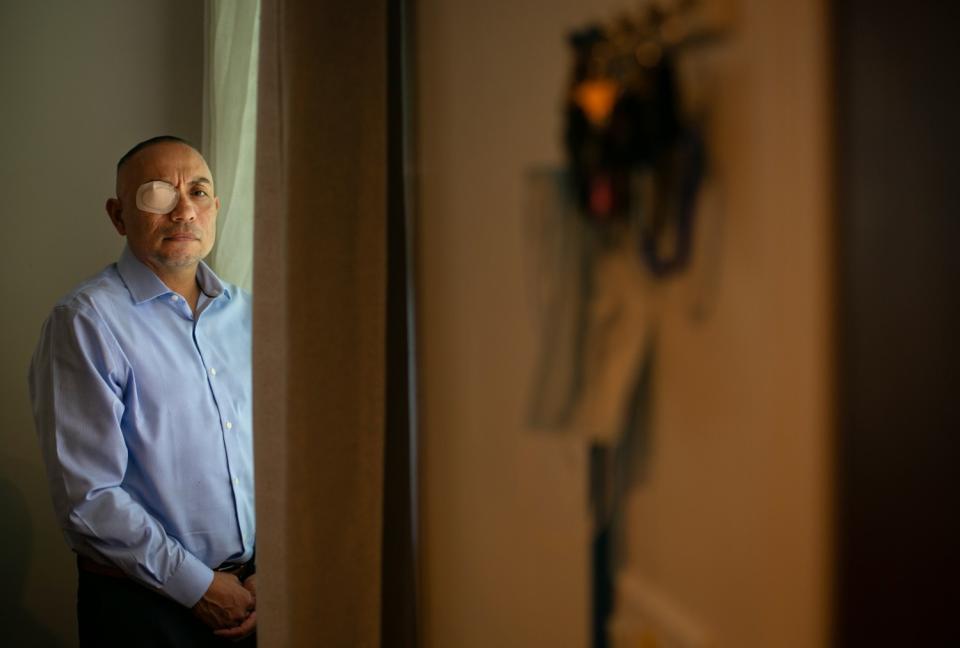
77	380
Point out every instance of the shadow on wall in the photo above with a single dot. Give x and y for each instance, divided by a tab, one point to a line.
20	626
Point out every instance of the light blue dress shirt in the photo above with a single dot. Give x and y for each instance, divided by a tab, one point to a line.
144	418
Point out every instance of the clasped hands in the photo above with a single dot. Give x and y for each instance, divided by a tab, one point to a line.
229	606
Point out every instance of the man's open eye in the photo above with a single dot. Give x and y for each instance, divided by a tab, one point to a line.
200	192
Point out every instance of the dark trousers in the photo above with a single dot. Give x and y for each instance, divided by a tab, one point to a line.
117	612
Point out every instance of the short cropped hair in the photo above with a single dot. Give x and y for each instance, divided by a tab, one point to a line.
150	142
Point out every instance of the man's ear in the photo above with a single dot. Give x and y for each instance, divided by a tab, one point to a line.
115	212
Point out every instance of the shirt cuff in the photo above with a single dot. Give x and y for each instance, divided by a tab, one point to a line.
189	582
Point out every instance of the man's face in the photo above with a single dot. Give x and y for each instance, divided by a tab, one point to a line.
177	240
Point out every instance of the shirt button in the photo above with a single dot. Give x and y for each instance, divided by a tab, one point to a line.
228	425
174	298
213	372
236	481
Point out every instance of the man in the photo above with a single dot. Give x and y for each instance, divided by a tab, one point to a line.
142	400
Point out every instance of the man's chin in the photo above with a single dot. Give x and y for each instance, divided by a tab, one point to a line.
177	261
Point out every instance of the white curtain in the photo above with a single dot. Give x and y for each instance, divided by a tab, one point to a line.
230	129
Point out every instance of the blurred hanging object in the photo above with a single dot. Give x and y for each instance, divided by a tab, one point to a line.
636	162
633	153
621	212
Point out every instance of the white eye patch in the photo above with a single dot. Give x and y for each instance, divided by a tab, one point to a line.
157	197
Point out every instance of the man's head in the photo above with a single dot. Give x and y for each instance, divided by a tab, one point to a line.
178	239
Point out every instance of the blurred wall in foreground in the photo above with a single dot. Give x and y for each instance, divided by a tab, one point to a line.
899	313
730	531
82	82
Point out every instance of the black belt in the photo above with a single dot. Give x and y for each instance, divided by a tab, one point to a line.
241	570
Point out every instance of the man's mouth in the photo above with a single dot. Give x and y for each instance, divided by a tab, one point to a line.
181	237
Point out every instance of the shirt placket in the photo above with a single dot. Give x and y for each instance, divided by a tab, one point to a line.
218	377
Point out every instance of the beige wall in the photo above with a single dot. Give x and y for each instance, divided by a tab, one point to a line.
730	531
81	83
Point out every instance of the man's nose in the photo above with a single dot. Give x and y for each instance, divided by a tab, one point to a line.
184	211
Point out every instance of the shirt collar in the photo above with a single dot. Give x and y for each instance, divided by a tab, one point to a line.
144	285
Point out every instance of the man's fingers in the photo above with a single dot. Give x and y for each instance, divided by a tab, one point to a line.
240	616
226	603
249	625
